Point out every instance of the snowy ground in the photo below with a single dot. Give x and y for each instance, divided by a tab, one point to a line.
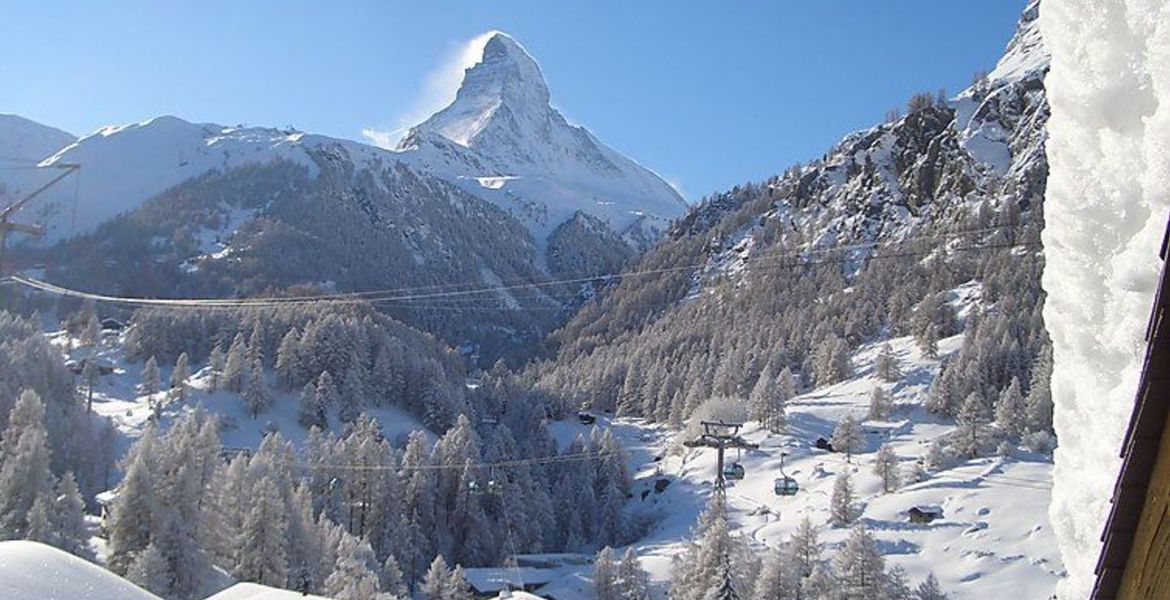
118	397
994	537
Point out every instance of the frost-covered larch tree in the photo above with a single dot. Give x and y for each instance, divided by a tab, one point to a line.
179	376
24	465
215	365
859	567
929	589
847	437
880	404
151	383
1010	411
842	510
260	548
970	426
353	576
886	466
886	365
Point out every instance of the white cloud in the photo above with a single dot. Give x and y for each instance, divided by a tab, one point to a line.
438	90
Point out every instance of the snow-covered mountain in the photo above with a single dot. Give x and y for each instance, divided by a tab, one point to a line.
503	141
23	143
500	140
25	140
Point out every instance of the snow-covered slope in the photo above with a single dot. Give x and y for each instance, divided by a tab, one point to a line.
503	140
34	571
123	166
23	143
25	140
993	539
1106	213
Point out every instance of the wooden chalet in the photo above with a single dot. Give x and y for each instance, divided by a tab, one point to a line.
1135	559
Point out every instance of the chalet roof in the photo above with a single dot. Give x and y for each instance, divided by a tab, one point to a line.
1139	451
927	509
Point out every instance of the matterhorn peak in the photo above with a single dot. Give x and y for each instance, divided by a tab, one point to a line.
505	80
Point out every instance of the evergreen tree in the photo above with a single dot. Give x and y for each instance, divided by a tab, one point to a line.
392	580
288	361
151	382
179	376
859	567
929	589
880	404
132	509
457	586
310	412
897	587
847	437
149	570
886	365
90	374
1039	406
1010	411
68	518
436	583
236	365
767	402
633	581
260	547
605	576
40	522
805	547
970	426
778	580
215	363
842	511
352	577
256	397
24	465
885	466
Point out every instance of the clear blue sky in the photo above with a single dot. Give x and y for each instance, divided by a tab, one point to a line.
709	94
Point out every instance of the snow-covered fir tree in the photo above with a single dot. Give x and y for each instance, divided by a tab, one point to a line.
848	437
842	507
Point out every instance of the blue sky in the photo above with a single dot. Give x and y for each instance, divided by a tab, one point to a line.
709	94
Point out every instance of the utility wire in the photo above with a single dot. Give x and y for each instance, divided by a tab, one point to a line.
799	260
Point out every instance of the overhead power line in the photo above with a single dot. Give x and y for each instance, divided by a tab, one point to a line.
404	298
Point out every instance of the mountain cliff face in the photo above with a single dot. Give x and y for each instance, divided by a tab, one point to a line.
846	247
503	141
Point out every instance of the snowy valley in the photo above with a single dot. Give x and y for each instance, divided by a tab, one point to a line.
248	363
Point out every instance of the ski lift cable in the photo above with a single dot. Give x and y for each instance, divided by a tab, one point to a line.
503	465
394	294
375	296
372	298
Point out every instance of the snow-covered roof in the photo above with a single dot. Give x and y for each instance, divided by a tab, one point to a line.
35	571
495	579
106	497
255	591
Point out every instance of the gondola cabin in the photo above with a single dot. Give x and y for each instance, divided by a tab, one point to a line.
785	486
734	471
